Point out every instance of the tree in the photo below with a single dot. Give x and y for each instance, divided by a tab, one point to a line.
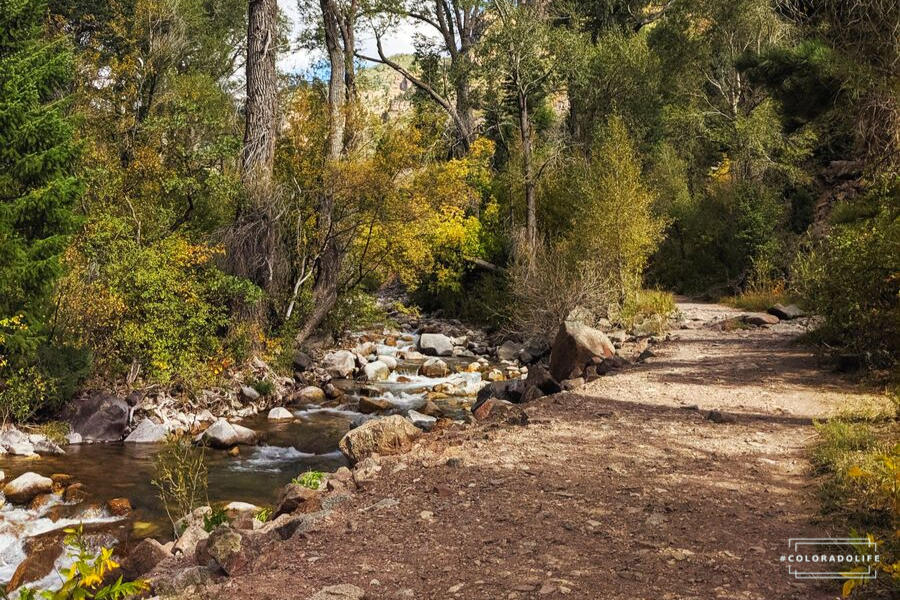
461	25
258	158
525	61
37	182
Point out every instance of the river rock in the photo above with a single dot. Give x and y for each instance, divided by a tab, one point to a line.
786	313
187	542
45	446
435	344
249	394
73	439
310	395
42	553
511	391
423	422
75	493
147	432
391	435
143	558
574	346
98	418
376	371
368	405
344	591
509	350
25	487
16	443
119	507
297	498
341	363
434	367
280	414
412	355
230	549
302	361
760	319
390	361
223	434
540	377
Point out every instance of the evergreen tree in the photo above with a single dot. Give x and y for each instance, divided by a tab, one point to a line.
37	183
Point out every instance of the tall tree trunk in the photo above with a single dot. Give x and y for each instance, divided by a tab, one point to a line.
466	126
325	288
528	174
258	157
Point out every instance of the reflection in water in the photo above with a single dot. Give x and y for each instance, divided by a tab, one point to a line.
256	475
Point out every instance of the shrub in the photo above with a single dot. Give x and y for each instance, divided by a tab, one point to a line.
84	580
216	517
262	386
311	479
181	477
650	310
852	278
164	306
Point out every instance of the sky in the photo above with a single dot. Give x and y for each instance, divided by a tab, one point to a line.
298	60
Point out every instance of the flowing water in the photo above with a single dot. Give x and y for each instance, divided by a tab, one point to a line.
256	475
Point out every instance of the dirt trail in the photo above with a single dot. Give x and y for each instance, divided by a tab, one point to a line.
619	491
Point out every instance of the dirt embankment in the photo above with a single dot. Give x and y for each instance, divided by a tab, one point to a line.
623	489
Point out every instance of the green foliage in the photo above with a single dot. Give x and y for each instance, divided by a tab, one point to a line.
311	479
852	279
163	306
84	580
181	477
262	386
37	190
264	515
216	517
648	310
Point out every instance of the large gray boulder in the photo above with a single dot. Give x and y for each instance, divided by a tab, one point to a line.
509	350
435	344
223	434
98	418
574	347
434	367
13	441
341	363
144	558
786	313
147	432
25	487
391	435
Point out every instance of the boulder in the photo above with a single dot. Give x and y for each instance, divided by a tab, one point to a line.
229	549
73	439
310	395
435	344
249	394
434	367
187	542
376	371
46	446
147	432
42	553
25	487
423	422
390	361
341	363
391	435
223	434
511	391
280	414
500	411
411	355
367	405
16	443
302	361
760	319
509	350
540	377
572	384
98	418
297	498
75	493
786	313
574	346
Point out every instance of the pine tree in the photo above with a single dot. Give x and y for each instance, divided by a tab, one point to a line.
37	182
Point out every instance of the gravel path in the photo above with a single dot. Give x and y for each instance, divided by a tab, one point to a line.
623	490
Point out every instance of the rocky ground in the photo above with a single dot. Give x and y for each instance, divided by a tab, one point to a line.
679	477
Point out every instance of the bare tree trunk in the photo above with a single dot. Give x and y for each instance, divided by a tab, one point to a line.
258	157
325	288
528	173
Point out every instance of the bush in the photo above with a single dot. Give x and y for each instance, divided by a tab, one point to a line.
852	279
649	310
164	306
311	479
181	478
